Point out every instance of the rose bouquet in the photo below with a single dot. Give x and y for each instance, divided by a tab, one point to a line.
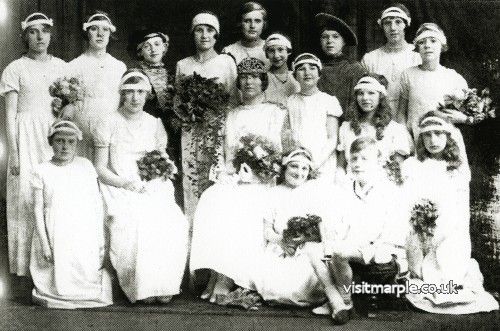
477	106
156	164
302	229
423	220
262	156
65	91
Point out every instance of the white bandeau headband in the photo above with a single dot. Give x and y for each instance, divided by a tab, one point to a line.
45	20
394	12
438	124
300	155
306	58
205	19
431	32
106	23
144	84
66	127
370	83
277	39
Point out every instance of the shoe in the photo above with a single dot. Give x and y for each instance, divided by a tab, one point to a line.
342	316
323	310
164	299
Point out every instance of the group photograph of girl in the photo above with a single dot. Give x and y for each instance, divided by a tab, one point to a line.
334	158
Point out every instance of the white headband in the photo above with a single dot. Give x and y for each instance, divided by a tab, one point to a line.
107	23
277	39
206	19
431	32
45	20
66	127
370	83
394	12
438	125
298	155
307	58
144	84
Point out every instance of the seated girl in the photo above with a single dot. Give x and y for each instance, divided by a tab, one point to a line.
68	244
148	232
439	247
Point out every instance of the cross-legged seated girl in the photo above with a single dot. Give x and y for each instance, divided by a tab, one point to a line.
68	244
148	232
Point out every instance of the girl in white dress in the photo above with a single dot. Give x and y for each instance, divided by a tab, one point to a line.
148	232
227	227
438	173
25	85
313	116
100	73
68	244
372	117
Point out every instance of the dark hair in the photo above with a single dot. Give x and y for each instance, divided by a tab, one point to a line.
362	143
251	6
294	73
217	34
263	77
306	153
382	116
133	80
450	153
32	18
400	6
51	137
425	26
85	33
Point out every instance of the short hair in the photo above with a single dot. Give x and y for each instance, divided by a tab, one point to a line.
251	6
133	80
400	6
264	78
25	31
362	143
428	26
51	137
85	33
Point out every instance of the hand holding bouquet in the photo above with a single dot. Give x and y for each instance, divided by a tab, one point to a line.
302	229
477	107
423	219
156	164
65	91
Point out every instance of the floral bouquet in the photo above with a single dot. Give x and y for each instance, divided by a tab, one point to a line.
156	164
469	102
392	167
65	91
304	228
262	156
423	218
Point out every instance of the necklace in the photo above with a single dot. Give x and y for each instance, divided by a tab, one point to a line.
282	81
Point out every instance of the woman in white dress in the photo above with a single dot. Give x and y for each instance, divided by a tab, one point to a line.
67	252
205	29
100	73
25	85
148	232
227	227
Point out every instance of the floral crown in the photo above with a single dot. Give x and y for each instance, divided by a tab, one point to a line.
251	65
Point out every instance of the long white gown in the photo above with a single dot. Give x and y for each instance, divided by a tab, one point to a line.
74	222
148	232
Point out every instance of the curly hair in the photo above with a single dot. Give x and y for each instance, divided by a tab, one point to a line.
381	118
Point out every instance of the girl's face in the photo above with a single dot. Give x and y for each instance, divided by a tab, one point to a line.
368	100
38	37
435	141
134	100
251	85
98	37
307	75
204	37
296	173
64	147
252	24
364	164
277	55
394	29
429	49
332	42
153	50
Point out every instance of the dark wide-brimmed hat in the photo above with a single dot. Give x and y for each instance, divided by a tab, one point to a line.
138	37
326	21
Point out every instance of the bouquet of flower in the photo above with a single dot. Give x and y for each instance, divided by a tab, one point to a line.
468	101
306	228
65	91
156	164
423	218
392	167
260	155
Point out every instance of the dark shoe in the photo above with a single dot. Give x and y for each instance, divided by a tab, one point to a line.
342	316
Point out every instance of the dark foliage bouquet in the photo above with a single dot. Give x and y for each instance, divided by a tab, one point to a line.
262	156
154	165
471	103
65	91
306	228
392	167
423	218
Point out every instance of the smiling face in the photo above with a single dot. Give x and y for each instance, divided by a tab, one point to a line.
429	49
332	43
277	55
153	50
251	85
252	24
435	141
134	100
64	147
98	37
296	173
204	37
307	75
364	164
38	38
394	29
368	100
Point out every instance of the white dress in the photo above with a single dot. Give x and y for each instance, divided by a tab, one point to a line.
74	222
31	80
101	78
391	64
227	225
277	91
148	232
240	52
307	117
449	251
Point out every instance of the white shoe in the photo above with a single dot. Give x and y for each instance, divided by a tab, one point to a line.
323	310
